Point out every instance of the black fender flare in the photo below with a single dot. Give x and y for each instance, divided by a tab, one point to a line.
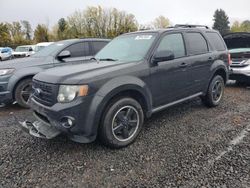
111	89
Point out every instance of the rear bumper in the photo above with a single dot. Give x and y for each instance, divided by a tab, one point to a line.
240	74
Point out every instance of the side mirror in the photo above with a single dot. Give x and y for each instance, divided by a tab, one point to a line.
161	56
30	50
64	54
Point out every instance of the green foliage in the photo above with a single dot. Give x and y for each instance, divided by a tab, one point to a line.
241	27
5	37
62	29
221	21
41	33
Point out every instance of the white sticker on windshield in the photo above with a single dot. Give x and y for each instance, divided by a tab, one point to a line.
143	37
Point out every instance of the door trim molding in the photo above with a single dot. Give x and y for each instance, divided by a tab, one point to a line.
157	109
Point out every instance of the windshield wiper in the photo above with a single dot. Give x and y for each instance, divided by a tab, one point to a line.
108	59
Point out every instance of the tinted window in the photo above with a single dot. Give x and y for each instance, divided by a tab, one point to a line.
197	43
174	43
97	46
216	41
79	49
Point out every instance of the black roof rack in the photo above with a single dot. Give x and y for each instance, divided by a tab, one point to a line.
189	26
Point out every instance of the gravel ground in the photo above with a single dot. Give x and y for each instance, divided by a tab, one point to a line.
187	145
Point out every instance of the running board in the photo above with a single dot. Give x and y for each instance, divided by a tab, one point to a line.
175	102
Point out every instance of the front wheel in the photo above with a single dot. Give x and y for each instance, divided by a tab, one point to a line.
23	92
122	122
215	92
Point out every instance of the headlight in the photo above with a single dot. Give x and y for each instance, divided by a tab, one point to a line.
6	71
68	93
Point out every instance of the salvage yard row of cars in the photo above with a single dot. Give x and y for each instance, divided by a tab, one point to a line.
7	53
89	88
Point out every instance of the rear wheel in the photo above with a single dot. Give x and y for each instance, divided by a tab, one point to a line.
215	92
122	122
23	92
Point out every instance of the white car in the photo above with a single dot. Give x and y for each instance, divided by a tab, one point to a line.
41	45
24	51
5	53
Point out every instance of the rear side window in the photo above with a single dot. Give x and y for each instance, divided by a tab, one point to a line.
216	41
97	46
174	43
79	49
197	43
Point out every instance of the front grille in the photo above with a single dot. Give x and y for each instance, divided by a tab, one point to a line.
44	93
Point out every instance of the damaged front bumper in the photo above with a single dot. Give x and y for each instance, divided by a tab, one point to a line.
40	129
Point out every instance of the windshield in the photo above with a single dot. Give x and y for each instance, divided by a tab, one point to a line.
22	49
127	48
50	50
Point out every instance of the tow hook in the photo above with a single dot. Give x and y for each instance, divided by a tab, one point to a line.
39	129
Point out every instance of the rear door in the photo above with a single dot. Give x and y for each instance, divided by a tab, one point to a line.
200	60
169	78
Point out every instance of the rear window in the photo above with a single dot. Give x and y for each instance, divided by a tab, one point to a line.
197	43
216	41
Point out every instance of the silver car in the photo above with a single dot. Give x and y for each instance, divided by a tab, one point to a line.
239	48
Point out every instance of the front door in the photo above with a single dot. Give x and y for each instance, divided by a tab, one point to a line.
170	78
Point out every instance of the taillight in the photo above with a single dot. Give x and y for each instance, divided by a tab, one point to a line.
229	59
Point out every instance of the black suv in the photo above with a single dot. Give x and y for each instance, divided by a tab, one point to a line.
134	76
16	75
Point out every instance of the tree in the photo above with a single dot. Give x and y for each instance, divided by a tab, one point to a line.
161	22
41	33
27	29
99	22
236	27
17	34
221	21
4	35
245	26
62	29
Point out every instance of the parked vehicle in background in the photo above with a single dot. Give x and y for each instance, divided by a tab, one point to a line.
239	48
5	53
41	45
16	75
135	75
23	51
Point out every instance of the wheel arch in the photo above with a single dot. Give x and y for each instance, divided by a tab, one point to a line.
130	87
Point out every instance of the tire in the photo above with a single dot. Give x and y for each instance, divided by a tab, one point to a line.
23	91
214	96
121	123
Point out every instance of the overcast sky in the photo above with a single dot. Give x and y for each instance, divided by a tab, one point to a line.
178	11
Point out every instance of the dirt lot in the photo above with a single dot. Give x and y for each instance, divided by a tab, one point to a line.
188	145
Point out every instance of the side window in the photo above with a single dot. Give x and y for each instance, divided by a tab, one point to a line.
97	46
174	43
197	43
216	41
79	49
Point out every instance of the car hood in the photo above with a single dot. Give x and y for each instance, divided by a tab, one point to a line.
81	73
23	62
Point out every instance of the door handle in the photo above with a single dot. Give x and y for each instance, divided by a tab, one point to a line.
210	59
183	65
